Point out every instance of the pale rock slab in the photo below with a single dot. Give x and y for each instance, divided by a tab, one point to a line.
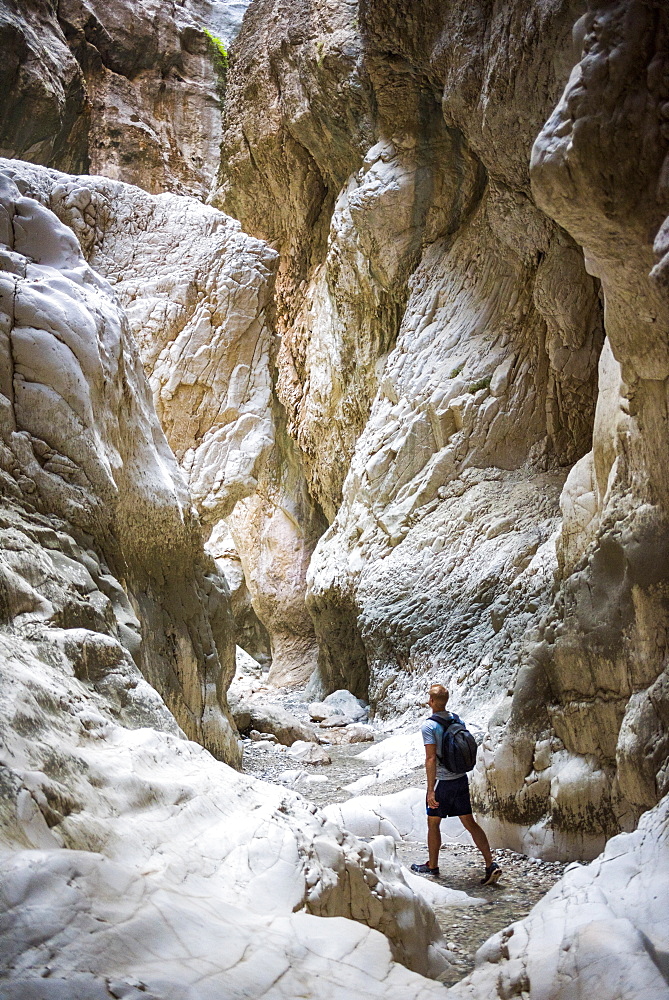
308	753
400	815
338	708
106	845
341	735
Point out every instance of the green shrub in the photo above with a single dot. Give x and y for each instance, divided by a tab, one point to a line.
219	55
484	383
456	371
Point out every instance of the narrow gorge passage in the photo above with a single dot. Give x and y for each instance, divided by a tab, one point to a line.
334	364
390	801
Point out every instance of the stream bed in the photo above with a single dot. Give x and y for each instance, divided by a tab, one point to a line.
524	882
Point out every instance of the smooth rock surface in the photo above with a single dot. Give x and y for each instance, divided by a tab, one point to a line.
602	930
100	879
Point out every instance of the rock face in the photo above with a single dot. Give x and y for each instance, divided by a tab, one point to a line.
88	476
440	340
197	294
130	90
593	681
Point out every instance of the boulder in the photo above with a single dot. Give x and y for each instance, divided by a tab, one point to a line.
339	709
308	753
357	733
272	718
264	737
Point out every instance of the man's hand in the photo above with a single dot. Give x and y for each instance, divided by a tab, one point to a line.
432	801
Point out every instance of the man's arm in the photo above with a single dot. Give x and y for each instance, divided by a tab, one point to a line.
431	772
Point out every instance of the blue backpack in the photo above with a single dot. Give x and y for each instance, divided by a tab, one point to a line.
458	746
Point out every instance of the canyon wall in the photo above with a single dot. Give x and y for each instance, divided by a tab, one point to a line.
595	674
442	308
404	474
129	90
92	491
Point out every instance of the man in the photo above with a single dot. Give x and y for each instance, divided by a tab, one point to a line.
448	794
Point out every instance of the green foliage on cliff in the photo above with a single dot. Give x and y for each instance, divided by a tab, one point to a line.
483	384
219	55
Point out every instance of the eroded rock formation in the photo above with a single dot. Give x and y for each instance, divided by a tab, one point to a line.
105	538
600	659
197	294
449	465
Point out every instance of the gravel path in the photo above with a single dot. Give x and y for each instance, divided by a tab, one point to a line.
524	882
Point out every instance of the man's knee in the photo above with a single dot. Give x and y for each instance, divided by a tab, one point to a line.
433	822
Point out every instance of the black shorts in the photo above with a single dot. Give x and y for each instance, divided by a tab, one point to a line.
453	798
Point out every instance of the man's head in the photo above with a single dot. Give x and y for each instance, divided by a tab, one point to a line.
438	698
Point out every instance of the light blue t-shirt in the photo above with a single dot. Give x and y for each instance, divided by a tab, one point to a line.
432	732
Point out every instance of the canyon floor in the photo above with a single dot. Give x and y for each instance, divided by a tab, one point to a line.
524	882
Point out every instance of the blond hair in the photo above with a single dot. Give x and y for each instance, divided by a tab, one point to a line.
439	696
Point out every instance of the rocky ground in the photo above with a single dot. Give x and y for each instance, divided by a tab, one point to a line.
524	882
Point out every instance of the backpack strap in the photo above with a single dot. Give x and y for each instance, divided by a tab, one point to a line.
445	723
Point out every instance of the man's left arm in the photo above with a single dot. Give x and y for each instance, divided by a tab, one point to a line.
431	772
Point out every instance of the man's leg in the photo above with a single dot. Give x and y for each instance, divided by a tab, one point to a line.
434	840
478	836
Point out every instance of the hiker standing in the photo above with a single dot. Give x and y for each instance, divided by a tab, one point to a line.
447	741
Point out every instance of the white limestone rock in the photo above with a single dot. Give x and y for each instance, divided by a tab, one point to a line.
81	451
603	930
308	753
124	811
339	708
341	735
593	683
196	291
400	815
